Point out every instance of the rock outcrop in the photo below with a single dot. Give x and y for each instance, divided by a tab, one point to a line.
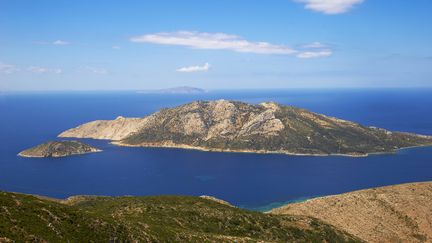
110	130
401	213
236	126
58	149
216	200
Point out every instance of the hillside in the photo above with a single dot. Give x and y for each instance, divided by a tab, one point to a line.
401	213
236	126
25	218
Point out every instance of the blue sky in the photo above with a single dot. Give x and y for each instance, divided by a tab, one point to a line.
214	44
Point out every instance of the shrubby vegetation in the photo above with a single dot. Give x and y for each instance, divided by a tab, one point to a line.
151	219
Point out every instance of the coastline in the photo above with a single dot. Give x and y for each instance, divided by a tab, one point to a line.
189	147
205	149
299	201
20	154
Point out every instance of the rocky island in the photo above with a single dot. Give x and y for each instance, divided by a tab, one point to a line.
233	126
58	149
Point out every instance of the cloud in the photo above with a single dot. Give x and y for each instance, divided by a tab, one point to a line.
115	47
42	70
192	69
314	54
60	43
7	68
56	43
330	6
314	45
222	41
96	70
213	41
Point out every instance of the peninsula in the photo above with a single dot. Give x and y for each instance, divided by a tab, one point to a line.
399	213
232	126
58	149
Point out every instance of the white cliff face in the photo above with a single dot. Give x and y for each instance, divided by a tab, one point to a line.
106	129
264	123
193	124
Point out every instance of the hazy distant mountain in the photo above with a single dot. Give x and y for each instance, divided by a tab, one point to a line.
177	90
233	126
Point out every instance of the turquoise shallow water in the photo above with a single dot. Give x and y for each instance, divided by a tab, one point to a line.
254	181
270	206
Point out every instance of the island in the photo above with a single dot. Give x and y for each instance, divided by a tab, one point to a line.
233	126
176	90
58	149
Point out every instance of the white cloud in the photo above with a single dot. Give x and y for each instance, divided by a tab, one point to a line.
314	45
96	70
115	47
330	6
7	68
60	43
42	70
191	69
222	41
314	54
213	41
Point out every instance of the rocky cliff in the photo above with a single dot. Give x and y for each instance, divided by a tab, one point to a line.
236	126
401	213
58	149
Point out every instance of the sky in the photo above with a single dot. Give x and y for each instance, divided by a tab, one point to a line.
214	44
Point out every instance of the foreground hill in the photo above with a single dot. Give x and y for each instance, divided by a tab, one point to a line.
25	218
58	149
236	126
401	213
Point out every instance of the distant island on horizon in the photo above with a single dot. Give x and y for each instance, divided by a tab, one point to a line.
175	90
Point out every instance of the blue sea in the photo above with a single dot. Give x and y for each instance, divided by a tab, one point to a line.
253	181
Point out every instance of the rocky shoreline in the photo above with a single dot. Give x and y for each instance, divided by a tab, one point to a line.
204	149
58	149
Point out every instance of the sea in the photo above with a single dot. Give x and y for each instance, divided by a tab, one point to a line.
251	181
